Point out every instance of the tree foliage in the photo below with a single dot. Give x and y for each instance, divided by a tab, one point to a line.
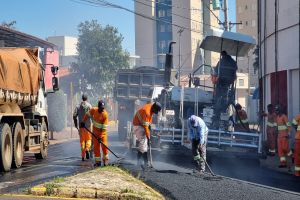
100	55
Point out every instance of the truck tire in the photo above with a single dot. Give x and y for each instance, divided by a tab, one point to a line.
6	147
18	145
44	142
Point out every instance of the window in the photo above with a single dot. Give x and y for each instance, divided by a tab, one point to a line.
253	23
169	12
161	13
162	44
246	23
241	82
246	7
169	28
162	28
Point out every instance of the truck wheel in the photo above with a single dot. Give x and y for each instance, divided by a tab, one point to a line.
18	145
6	147
44	143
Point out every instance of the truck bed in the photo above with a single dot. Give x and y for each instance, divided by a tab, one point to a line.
19	76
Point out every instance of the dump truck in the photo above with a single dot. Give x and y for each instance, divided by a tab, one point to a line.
133	88
23	117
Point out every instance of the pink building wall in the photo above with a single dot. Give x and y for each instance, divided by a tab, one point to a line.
51	58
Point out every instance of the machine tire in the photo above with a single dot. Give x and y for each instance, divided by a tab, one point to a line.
44	142
18	145
6	147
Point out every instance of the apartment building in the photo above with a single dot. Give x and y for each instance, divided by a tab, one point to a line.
246	14
184	22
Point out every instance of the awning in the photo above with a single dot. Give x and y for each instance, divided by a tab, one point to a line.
13	38
231	42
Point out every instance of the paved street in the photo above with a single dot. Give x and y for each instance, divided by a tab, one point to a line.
172	176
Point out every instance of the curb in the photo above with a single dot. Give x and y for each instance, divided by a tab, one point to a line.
86	193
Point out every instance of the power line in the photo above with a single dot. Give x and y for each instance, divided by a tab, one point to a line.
177	14
103	3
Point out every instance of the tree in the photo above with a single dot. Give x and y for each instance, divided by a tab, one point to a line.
100	55
10	25
256	59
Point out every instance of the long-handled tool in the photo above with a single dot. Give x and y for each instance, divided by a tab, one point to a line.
210	171
99	140
150	155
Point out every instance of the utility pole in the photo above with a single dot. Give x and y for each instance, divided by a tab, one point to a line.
71	113
226	25
179	68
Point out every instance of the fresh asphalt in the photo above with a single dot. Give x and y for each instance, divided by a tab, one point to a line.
172	174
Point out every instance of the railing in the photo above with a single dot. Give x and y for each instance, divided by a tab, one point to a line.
215	137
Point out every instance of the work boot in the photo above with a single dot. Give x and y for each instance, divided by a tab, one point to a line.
282	166
97	164
105	162
87	155
82	158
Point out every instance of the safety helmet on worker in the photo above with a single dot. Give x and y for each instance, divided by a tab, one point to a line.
278	109
238	106
156	107
101	105
84	97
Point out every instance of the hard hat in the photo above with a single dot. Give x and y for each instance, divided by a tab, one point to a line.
101	104
156	107
278	108
84	97
238	106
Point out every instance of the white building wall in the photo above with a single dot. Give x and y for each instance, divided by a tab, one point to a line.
145	33
288	49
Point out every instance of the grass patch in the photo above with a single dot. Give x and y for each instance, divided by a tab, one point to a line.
53	184
126	190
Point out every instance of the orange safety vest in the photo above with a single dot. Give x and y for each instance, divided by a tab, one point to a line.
283	125
272	120
100	120
143	117
243	116
296	122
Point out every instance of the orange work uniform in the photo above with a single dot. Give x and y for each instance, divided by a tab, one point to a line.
283	127
296	122
271	132
141	121
239	127
100	122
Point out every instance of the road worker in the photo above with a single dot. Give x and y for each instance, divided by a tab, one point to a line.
197	131
271	129
241	119
283	127
84	135
296	124
99	117
141	128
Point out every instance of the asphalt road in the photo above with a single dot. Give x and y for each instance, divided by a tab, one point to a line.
173	174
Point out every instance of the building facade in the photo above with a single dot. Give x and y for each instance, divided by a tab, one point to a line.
67	48
246	14
279	54
183	22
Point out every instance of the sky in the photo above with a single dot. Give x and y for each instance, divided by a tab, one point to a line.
44	18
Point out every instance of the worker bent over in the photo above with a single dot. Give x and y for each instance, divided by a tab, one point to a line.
84	135
241	121
141	128
296	124
271	130
99	118
283	127
198	131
